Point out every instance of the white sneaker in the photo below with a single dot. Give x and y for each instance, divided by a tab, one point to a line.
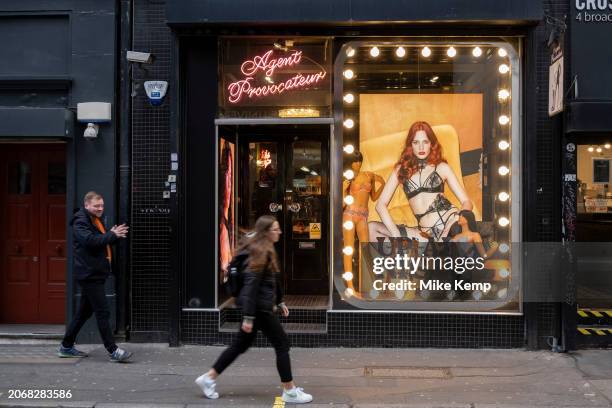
296	395
207	385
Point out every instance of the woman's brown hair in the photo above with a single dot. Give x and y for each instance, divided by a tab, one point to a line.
260	247
408	162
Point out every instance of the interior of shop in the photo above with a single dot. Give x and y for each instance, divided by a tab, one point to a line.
594	224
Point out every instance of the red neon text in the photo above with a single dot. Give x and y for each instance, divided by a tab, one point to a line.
269	65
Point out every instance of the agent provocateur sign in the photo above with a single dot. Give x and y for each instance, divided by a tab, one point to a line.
269	65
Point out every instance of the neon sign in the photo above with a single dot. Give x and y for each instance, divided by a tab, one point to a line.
265	158
267	64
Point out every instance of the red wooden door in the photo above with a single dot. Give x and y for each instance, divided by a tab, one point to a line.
51	302
32	284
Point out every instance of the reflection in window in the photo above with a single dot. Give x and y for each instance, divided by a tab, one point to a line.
305	207
56	178
20	178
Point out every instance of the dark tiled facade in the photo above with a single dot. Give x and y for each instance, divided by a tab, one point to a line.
150	311
350	329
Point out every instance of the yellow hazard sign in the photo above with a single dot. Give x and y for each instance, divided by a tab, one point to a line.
315	230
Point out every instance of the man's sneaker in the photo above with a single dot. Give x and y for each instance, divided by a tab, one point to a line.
70	352
207	385
120	355
296	395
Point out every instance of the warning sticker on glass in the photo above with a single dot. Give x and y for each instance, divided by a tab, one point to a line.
315	230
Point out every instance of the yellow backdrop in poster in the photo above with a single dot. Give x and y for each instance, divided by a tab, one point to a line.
384	123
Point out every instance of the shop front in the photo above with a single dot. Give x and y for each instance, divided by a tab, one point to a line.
394	162
587	158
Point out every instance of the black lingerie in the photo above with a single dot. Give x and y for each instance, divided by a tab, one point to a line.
440	205
432	184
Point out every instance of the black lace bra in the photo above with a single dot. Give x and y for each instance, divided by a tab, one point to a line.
432	184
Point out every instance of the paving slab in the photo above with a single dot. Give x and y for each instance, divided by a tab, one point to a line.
160	376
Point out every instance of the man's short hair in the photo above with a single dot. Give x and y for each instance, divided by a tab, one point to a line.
92	195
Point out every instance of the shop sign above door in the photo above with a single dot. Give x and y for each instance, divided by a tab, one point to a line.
268	63
264	76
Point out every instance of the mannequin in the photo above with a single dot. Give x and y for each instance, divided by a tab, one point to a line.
362	188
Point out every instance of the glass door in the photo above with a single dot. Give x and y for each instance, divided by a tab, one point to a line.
283	171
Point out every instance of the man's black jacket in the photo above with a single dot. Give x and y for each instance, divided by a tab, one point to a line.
90	260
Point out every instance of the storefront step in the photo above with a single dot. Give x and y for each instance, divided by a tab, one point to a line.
32	331
296	315
301	328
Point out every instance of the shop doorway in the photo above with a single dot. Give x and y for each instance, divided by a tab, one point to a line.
32	233
283	170
594	242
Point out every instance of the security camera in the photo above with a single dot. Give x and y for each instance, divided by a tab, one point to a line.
91	132
140	57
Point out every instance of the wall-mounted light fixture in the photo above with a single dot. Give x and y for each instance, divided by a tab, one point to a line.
93	113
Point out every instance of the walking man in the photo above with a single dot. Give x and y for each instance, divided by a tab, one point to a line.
92	266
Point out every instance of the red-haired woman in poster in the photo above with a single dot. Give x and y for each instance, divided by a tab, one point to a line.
421	171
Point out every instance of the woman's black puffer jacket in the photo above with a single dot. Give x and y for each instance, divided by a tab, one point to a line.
261	292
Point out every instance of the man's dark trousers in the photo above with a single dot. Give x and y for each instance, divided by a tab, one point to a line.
93	301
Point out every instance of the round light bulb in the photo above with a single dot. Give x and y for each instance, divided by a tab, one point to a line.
349	98
504	273
349	174
504	69
503	94
426	52
348	73
504	120
503	221
349	292
591	149
374	52
503	170
347	276
503	196
348	149
477	52
502	293
350	52
400	52
607	145
503	145
451	52
504	248
348	250
599	149
349	123
348	200
502	52
348	225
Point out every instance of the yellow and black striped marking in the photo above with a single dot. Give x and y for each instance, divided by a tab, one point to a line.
594	317
278	403
595	331
598	313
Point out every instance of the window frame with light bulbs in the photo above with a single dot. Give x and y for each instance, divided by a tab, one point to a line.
366	70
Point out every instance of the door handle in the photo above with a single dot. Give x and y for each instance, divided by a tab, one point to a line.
58	249
275	207
18	249
294	207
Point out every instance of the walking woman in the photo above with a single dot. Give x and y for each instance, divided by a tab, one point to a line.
260	294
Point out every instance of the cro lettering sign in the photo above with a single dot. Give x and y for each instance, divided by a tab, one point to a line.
593	11
268	74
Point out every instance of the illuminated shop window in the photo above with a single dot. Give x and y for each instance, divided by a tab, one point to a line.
430	175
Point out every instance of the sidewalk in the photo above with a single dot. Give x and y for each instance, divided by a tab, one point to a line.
160	376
